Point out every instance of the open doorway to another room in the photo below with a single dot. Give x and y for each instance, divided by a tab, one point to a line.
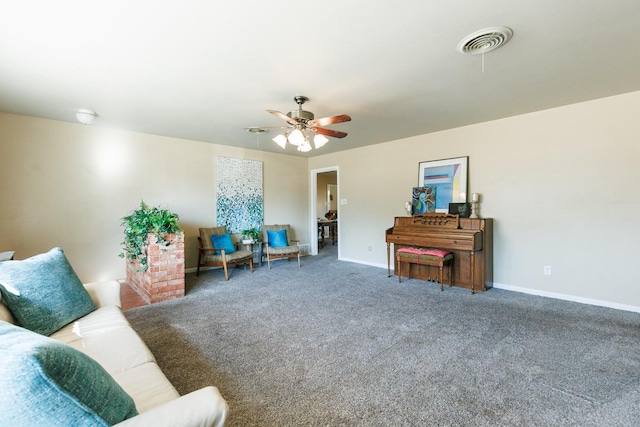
325	212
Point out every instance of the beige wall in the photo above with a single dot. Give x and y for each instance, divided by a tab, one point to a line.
561	185
68	185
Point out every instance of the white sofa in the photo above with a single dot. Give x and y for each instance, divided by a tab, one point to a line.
107	337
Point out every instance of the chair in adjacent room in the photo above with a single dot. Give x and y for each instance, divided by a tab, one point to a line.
217	249
278	242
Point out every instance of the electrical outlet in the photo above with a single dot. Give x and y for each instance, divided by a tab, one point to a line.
370	248
343	202
547	270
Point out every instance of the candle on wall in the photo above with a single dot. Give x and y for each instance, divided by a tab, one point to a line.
474	197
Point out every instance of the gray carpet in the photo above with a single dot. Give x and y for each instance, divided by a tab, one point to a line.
340	344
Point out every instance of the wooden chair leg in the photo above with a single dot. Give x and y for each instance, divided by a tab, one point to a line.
226	272
440	273
251	263
400	270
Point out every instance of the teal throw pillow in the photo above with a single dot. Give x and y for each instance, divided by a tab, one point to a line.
43	292
223	241
48	383
278	239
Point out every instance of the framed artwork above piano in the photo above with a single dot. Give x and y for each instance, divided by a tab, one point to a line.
449	177
469	239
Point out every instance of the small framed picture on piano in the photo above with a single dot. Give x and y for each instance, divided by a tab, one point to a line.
423	200
462	209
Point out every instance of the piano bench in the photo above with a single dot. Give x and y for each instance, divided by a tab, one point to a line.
434	257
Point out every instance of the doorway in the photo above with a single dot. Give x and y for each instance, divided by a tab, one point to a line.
325	206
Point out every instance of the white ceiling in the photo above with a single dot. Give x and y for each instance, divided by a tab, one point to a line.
206	70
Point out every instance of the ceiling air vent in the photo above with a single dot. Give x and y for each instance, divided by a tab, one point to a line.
484	40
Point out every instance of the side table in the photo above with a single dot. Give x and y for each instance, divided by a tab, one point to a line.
256	248
257	253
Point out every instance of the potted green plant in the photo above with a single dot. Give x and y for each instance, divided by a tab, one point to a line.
253	234
142	222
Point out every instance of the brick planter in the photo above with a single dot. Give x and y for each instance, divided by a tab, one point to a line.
164	279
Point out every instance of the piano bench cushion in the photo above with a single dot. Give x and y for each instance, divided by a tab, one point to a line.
422	255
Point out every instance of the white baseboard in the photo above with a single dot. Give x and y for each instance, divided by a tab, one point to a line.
571	298
358	261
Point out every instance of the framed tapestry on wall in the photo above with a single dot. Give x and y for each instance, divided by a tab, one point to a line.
449	177
239	196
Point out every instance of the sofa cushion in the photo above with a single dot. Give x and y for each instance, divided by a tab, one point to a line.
117	349
46	383
93	324
223	241
5	314
278	239
43	292
147	385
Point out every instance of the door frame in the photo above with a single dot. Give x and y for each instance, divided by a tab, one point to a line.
313	219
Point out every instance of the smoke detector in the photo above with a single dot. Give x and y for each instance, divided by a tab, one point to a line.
484	40
85	116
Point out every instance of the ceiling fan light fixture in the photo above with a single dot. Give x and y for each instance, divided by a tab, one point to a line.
281	140
304	147
296	137
302	125
319	140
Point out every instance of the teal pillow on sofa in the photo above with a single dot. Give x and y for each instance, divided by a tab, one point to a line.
48	383
278	239
223	241
43	292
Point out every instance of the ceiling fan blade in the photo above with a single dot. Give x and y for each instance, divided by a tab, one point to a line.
330	120
329	132
283	117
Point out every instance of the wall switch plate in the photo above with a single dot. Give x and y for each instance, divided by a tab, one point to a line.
343	201
547	270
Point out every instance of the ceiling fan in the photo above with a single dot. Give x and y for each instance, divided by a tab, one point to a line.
303	123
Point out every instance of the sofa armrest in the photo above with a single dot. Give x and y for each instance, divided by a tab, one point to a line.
105	293
201	408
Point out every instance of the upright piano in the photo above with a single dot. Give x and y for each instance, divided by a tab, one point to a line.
470	240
